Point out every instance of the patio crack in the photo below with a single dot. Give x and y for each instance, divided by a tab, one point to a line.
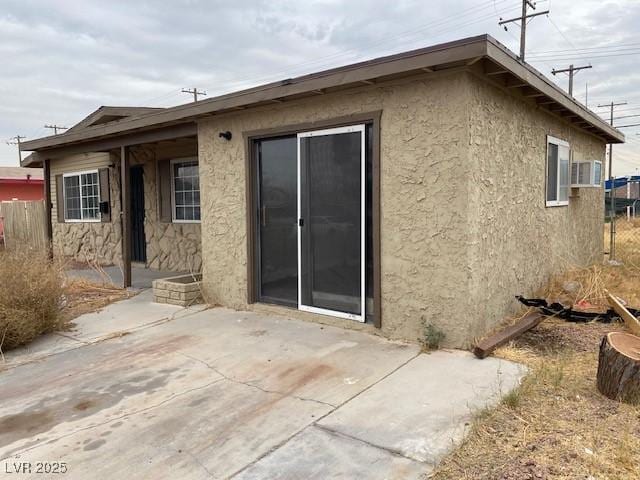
253	385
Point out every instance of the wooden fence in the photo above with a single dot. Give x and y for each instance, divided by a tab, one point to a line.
24	224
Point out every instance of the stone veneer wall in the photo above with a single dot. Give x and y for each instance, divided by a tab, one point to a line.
170	246
93	242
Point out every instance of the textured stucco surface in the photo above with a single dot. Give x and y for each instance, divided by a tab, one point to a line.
464	226
424	169
94	242
518	242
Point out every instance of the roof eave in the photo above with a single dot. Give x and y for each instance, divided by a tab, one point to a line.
463	51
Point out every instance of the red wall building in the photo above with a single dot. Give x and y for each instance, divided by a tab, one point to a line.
17	183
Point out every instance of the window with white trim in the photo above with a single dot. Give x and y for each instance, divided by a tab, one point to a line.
81	197
185	183
557	188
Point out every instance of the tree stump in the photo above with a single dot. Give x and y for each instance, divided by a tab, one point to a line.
619	367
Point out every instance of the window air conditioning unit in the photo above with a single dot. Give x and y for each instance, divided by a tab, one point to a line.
586	173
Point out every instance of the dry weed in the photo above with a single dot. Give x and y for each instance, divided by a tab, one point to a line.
557	425
30	296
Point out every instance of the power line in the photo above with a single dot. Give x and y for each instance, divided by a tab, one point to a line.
55	128
523	24
195	92
612	237
571	71
445	25
16	141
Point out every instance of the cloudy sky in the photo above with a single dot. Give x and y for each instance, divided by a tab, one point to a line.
61	60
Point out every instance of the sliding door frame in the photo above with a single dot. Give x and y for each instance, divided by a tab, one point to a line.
361	129
251	197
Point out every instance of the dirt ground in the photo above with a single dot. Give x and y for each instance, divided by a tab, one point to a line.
557	425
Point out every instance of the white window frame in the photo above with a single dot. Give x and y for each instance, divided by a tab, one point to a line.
173	188
560	143
592	179
64	197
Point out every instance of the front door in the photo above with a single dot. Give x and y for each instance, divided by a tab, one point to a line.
138	241
331	229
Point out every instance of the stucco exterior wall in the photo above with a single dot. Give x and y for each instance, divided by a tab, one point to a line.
424	172
518	242
94	242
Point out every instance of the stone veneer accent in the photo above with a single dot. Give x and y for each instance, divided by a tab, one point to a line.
182	290
92	242
170	246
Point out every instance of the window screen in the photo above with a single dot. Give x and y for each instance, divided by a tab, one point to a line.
186	191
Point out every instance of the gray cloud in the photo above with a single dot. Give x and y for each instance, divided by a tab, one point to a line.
63	59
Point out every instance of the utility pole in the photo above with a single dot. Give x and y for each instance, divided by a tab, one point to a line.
16	141
586	94
523	24
612	196
194	91
572	71
55	128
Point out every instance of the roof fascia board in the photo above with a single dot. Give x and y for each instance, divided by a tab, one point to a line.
525	73
449	53
134	138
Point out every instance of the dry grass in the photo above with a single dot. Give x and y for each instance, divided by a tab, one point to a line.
627	240
557	425
30	293
82	296
37	298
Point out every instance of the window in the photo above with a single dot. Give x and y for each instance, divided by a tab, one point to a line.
185	182
597	173
557	172
81	197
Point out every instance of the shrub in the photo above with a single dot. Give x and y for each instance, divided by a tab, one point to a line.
433	337
31	288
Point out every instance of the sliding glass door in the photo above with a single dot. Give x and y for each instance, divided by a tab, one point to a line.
331	228
277	218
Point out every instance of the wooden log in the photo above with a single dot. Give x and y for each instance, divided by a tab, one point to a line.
484	347
630	321
619	367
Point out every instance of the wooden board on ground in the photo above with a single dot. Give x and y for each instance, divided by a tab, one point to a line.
619	367
484	347
630	321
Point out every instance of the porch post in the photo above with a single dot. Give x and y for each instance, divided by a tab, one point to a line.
47	206
125	222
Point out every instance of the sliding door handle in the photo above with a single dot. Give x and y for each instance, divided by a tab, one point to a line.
301	222
263	216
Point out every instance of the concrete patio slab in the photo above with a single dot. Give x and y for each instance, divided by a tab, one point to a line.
126	316
424	408
318	454
219	393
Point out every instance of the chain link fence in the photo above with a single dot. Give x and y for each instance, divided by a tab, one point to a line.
622	221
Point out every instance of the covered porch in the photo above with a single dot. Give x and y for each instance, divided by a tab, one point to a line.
128	203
